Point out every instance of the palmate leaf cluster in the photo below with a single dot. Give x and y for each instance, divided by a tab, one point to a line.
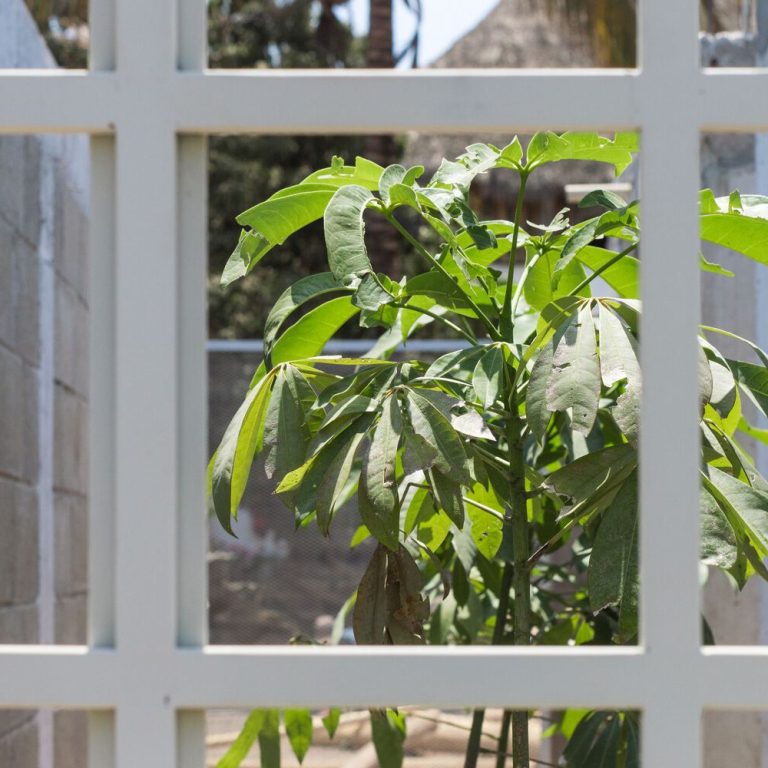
536	412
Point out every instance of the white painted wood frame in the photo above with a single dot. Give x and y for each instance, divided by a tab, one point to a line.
147	101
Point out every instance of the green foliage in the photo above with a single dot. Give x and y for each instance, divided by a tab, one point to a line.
468	470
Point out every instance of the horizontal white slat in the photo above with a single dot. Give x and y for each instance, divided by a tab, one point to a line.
225	676
359	101
57	101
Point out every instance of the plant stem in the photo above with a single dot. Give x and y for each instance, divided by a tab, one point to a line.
587	280
439	318
502	610
521	581
501	754
490	327
506	311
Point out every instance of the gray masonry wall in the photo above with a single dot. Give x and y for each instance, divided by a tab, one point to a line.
43	400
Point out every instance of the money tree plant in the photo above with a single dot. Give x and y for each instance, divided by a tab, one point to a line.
499	481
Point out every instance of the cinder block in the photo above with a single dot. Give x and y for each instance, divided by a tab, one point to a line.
11	719
70	460
26	536
12	174
18	625
31	215
12	414
22	746
71	617
7	543
30	431
70	739
71	239
71	342
7	284
71	545
27	302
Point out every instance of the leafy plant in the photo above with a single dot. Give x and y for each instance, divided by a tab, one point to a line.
472	470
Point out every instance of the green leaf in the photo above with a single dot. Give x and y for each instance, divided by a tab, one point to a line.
308	336
623	276
269	739
575	379
331	721
345	235
545	284
488	376
244	741
605	198
718	545
292	298
550	147
388	731
745	230
618	350
613	566
272	222
596	742
285	427
511	155
235	453
393	174
447	493
364	173
486	529
380	511
298	727
370	613
753	379
333	472
715	269
436	442
536	410
591	482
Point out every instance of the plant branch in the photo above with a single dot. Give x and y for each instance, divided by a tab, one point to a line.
471	339
506	312
490	327
599	271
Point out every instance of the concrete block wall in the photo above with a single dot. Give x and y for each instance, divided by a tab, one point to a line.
43	403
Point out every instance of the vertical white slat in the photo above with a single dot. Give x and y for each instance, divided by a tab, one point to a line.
669	455
146	334
192	526
101	30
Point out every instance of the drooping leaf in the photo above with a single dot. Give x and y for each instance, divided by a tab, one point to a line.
244	741
331	721
269	739
302	291
370	613
435	439
754	380
744	230
272	222
613	566
380	510
488	376
407	608
235	453
596	742
618	350
575	379
448	496
537	412
548	147
718	545
364	173
285	427
388	731
345	235
299	729
308	336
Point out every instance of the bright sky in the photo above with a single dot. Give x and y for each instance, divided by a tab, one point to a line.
444	22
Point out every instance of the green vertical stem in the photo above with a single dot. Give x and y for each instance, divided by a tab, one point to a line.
506	311
521	581
501	754
502	611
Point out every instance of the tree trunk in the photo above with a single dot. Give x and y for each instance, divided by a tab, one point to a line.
383	244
